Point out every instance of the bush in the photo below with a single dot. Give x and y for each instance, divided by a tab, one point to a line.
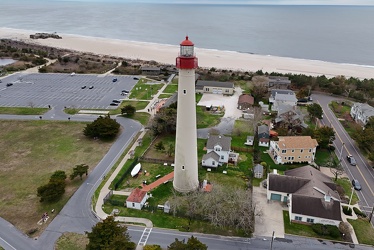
330	230
359	213
347	210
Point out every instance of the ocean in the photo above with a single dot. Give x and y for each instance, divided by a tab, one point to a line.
342	34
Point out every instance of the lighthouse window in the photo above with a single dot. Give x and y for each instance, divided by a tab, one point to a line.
182	167
184	91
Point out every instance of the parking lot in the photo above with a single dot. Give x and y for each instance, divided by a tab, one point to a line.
63	90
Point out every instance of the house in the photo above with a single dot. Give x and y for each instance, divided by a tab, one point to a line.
278	82
137	199
153	71
258	171
310	195
282	97
263	135
249	141
361	112
218	151
264	108
225	88
245	101
293	149
290	115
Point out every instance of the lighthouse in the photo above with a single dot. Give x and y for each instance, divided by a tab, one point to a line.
185	169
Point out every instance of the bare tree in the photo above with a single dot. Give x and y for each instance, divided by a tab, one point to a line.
31	104
336	168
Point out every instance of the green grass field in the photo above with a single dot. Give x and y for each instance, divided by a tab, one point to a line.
347	186
31	151
22	111
364	231
171	88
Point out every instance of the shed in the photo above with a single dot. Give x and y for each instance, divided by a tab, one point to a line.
137	199
258	171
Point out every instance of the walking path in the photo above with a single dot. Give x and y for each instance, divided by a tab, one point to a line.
158	182
105	189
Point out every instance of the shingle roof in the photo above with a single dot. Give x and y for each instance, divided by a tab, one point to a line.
285	97
281	91
201	84
258	168
246	99
223	141
263	131
136	195
296	142
211	154
286	184
316	207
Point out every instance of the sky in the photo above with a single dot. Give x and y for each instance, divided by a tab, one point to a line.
264	2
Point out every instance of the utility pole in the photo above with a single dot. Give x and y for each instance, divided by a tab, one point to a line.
272	239
371	214
350	199
341	153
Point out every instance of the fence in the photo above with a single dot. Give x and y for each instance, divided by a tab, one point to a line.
154	160
107	197
123	176
242	149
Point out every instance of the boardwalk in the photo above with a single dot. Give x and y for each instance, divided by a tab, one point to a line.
158	182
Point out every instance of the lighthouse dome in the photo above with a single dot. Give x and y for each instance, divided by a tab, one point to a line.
187	42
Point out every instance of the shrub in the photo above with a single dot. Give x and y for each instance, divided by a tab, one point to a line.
359	212
330	230
347	210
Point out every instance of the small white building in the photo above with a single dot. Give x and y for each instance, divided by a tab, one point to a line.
137	199
249	141
361	112
258	171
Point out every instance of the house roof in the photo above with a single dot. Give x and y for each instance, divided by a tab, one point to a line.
201	84
172	99
280	91
296	142
258	168
286	184
244	98
211	154
285	97
279	79
136	195
221	140
149	68
316	207
366	109
250	138
263	131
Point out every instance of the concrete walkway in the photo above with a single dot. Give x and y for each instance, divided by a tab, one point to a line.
353	217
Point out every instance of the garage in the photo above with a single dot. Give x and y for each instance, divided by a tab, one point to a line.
217	91
275	197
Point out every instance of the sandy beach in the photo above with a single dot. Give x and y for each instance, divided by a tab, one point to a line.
207	58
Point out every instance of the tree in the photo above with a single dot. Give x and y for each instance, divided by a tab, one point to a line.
315	111
171	149
109	235
79	170
128	110
324	136
160	146
335	168
192	243
164	121
259	90
52	191
103	127
58	175
152	247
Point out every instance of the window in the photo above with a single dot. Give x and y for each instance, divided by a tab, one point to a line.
213	163
310	150
222	157
293	151
299	157
217	149
182	167
290	158
206	89
227	91
184	91
301	150
284	151
298	218
309	220
133	204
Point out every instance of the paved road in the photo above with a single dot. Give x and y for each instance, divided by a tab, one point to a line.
363	172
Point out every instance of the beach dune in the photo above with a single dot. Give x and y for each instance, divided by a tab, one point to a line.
208	58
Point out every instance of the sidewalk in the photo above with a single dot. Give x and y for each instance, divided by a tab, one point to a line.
353	217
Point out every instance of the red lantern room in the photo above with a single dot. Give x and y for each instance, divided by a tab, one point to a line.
186	58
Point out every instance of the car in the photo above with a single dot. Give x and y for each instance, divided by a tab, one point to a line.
356	185
72	74
83	87
114	80
116	101
9	84
113	104
135	78
125	91
351	160
91	87
1	81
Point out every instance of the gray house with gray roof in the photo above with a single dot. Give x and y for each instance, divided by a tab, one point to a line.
217	145
361	112
310	195
214	87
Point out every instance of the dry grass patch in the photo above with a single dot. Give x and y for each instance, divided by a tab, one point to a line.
72	241
31	151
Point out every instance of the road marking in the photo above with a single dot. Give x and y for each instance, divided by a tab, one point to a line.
145	236
7	243
347	150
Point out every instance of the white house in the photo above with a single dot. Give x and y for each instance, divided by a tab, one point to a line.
221	146
263	134
310	195
258	171
361	112
249	141
137	199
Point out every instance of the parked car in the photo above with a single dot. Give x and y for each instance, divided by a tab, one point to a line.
113	104
114	80
9	84
351	160
83	87
356	185
125	91
91	87
135	78
116	101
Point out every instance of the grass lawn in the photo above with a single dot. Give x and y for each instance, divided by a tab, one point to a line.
163	96
323	156
347	186
137	104
144	91
141	117
71	241
171	89
22	111
206	119
31	151
364	231
301	229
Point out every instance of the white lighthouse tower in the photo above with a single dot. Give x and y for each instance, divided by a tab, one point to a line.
185	169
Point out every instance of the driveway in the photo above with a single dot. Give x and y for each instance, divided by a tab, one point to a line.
271	215
231	112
